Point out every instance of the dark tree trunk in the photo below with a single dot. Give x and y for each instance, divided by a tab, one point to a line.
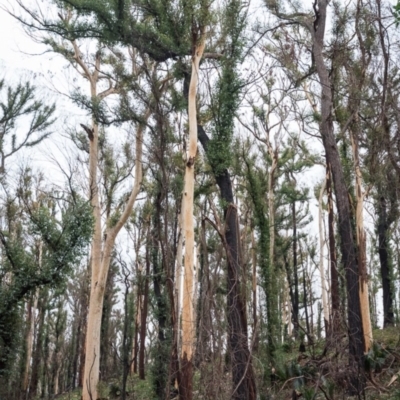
137	328
82	337
295	317
105	323
76	350
305	304
383	226
356	345
126	335
295	275
335	296
203	314
160	378
143	322
244	387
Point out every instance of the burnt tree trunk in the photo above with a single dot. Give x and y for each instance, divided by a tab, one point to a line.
161	359
295	275
383	226
244	387
355	329
335	296
143	322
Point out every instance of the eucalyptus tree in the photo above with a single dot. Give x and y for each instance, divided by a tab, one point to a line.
385	125
224	103
93	69
314	23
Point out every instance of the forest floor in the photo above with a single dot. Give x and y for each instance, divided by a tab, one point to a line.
319	371
322	371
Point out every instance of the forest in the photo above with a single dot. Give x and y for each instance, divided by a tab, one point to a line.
218	213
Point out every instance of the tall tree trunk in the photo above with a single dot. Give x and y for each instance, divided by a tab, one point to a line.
244	387
203	315
361	241
335	295
38	356
296	301
356	339
256	328
321	259
29	337
138	318
305	304
179	279
101	257
160	363
82	337
143	322
76	343
273	318
383	226
188	319
101	252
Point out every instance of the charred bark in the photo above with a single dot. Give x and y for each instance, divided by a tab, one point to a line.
355	329
335	296
242	369
143	322
383	226
161	360
295	275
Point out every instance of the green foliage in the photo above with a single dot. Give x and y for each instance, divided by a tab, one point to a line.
256	187
226	97
159	28
19	104
396	13
388	337
375	358
59	241
103	390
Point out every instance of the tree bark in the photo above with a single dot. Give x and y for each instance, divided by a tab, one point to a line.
143	322
335	296
188	318
321	260
383	226
296	301
244	387
29	337
101	257
37	358
361	241
355	329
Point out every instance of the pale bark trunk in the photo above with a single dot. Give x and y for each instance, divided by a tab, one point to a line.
272	291
254	289
101	257
56	388
31	307
321	260
188	319
362	251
